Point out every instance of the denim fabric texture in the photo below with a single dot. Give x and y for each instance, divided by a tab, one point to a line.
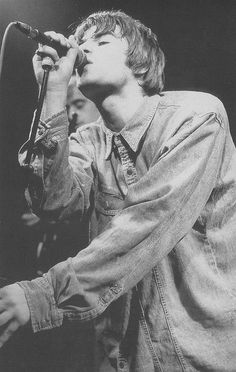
158	278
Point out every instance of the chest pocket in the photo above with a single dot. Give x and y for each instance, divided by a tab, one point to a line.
108	202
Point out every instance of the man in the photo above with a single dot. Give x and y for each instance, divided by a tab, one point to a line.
157	178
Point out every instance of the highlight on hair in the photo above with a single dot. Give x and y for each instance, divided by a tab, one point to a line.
144	56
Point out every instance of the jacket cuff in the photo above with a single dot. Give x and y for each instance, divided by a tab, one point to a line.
43	310
52	130
49	133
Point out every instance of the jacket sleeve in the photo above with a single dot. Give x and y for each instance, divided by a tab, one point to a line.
55	191
160	209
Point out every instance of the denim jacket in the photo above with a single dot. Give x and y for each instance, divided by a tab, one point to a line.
159	275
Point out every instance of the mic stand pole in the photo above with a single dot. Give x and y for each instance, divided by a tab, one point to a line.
28	169
47	66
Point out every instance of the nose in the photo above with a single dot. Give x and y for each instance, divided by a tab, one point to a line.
86	46
71	112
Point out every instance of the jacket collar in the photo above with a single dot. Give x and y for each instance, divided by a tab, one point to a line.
135	128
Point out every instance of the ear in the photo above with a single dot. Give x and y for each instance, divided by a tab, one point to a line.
139	76
140	73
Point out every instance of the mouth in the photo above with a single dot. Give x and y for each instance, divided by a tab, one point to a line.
83	67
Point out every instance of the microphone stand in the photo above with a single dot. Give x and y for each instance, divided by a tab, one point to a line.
47	66
27	168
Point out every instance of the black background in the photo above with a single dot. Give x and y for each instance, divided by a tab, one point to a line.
199	41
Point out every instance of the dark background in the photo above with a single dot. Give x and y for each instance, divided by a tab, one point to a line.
199	41
197	36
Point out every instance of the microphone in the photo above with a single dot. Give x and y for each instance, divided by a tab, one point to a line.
39	37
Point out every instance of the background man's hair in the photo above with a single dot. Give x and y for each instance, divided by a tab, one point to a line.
145	57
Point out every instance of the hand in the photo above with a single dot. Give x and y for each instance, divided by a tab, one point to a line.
62	70
59	76
14	311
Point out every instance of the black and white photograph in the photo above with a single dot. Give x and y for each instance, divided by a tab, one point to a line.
118	186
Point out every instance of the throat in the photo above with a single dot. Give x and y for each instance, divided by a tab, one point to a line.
117	113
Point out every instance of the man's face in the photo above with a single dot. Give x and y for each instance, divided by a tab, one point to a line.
79	108
106	71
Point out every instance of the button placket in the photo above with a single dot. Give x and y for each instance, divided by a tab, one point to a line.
130	172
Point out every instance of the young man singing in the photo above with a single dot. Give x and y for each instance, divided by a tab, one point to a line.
157	176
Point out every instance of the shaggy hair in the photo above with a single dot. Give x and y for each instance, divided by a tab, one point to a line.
144	56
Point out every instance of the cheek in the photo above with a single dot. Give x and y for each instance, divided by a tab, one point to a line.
114	69
85	114
112	60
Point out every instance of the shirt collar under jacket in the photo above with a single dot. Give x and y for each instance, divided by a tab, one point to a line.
135	127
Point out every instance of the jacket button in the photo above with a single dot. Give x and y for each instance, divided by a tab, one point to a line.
129	171
121	365
41	131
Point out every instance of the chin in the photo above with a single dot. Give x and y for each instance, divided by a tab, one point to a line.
85	89
90	89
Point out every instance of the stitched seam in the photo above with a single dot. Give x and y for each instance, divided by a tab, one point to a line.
217	271
168	320
43	182
187	135
144	325
54	116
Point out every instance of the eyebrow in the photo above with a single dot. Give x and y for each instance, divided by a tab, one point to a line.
97	36
79	100
75	101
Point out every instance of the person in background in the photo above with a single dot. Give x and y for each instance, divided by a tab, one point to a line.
80	109
157	177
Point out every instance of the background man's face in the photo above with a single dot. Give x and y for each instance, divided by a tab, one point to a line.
79	108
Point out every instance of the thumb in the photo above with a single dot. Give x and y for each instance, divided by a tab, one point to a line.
75	50
76	53
73	42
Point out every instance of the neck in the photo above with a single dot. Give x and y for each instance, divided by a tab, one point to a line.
117	109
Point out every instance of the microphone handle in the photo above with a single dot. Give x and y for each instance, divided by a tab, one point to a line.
46	40
81	58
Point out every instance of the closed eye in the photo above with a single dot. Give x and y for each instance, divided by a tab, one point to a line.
103	42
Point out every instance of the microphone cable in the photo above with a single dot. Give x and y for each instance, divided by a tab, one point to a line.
3	46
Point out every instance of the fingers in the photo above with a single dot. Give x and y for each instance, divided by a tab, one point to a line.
74	49
73	41
59	38
8	332
14	311
5	317
61	67
45	50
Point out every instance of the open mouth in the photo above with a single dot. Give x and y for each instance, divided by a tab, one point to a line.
81	68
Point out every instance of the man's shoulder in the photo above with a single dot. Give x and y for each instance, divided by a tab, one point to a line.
91	129
198	102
